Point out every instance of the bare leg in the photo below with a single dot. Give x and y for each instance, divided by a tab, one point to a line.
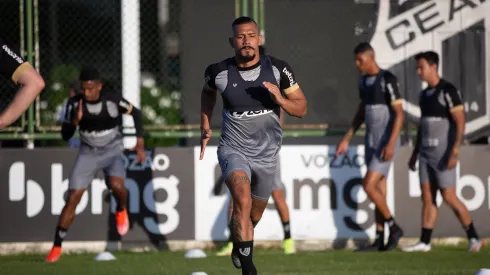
429	209
241	226
68	213
120	192
380	221
281	205
241	221
370	184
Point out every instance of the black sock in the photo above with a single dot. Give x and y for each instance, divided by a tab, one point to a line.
425	236
59	235
380	236
471	232
120	208
391	223
245	252
287	230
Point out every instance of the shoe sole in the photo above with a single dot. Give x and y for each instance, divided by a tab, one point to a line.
123	231
236	261
477	249
415	250
394	245
51	261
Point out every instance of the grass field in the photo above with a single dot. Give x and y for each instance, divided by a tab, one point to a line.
442	260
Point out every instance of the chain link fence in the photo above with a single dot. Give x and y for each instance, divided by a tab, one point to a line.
320	50
70	34
11	23
77	33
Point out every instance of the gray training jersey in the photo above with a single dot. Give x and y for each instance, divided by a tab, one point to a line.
437	127
378	93
99	126
250	118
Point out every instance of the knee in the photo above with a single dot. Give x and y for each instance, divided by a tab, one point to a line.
242	206
119	188
368	187
74	198
255	218
450	198
428	201
117	184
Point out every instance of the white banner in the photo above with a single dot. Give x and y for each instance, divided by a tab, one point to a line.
324	195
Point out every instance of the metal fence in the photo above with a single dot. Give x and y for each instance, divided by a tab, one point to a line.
77	33
12	28
61	36
66	35
320	49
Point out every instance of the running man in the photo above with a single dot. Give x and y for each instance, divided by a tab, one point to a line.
254	88
279	197
13	67
97	114
439	137
382	111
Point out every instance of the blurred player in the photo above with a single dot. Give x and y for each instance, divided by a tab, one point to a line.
381	109
281	207
13	67
72	90
97	114
440	134
254	88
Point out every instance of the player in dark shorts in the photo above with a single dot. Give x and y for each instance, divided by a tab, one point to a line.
440	134
282	208
97	114
381	109
254	88
13	67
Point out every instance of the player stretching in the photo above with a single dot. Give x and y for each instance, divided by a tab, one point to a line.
381	109
440	133
97	114
251	86
281	207
12	66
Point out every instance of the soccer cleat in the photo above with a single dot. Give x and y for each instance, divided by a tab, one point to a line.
54	254
122	222
418	247
376	246
289	247
226	250
474	245
235	259
395	235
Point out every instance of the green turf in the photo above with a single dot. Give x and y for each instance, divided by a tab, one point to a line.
447	260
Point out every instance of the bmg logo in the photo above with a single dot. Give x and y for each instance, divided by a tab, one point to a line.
140	195
19	189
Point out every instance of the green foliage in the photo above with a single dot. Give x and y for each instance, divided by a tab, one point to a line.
160	104
56	92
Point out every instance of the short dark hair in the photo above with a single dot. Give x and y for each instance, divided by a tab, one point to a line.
89	73
363	47
242	20
430	56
